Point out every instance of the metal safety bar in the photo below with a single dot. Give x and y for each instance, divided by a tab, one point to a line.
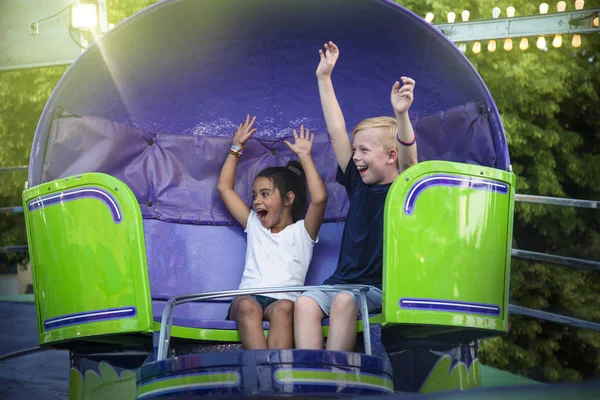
167	315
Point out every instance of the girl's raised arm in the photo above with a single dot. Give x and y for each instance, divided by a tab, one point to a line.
318	193
234	203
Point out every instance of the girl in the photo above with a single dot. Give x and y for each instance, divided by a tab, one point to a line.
280	243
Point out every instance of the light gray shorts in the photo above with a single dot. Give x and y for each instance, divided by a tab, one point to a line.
324	299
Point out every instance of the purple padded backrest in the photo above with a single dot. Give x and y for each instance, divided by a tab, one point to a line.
174	176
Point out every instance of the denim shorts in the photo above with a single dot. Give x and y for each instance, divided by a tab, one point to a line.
324	299
263	302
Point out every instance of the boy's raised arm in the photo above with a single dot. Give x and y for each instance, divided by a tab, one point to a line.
336	126
234	203
316	188
402	98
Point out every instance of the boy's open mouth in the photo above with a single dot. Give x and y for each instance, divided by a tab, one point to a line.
362	170
262	214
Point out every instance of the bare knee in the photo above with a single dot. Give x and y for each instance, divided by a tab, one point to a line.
282	310
246	309
307	309
343	304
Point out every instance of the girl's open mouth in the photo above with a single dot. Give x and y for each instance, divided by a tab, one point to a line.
262	214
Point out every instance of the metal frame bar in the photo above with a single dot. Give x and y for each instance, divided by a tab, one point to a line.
11	210
568	22
557	201
14	169
560	260
167	316
14	249
547	316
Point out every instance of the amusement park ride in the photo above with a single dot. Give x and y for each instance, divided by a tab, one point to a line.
135	258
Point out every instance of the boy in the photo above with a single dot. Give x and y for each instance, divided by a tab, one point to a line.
382	146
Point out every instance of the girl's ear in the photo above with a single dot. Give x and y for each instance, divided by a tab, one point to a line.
289	198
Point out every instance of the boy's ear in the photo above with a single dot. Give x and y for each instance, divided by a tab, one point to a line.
392	156
289	198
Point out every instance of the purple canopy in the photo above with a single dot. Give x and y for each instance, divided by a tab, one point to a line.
190	67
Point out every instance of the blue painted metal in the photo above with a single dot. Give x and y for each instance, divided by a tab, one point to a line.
257	370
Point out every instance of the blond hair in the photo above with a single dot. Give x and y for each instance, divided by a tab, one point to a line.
389	128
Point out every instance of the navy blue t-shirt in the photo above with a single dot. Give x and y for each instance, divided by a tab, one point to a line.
361	253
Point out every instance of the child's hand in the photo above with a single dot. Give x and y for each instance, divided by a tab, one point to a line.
302	143
402	97
328	59
244	132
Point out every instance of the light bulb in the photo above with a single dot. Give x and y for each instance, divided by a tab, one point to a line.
544	8
524	44
576	42
508	44
579	4
451	17
561	6
496	12
596	21
462	47
476	47
557	41
510	12
492	46
541	43
465	15
429	17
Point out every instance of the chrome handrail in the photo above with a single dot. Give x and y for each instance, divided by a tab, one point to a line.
167	316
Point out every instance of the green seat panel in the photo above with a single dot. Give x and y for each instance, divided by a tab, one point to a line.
88	258
447	244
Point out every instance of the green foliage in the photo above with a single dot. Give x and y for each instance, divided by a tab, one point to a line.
550	107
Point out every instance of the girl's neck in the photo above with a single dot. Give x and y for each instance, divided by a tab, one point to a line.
284	220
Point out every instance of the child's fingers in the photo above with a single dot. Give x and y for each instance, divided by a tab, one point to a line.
333	47
288	145
302	132
408	81
295	135
395	87
321	53
252	121
312	137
